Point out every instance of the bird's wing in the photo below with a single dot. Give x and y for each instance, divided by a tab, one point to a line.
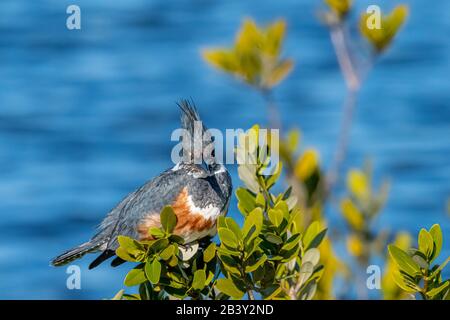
148	199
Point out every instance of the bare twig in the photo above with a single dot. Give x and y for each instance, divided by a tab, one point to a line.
273	113
353	79
343	138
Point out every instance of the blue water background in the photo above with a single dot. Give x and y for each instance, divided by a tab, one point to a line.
86	116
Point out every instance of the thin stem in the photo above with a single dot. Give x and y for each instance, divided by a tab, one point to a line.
273	113
425	285
343	138
250	294
353	82
346	63
265	193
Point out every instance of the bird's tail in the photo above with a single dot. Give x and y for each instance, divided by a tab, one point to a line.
198	135
75	253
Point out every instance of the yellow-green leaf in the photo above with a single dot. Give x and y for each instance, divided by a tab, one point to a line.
153	271
275	216
358	184
259	262
352	215
224	60
436	234
435	291
404	261
426	244
198	283
253	224
249	37
227	237
134	277
307	164
278	73
339	7
274	38
210	252
380	38
168	219
229	288
168	252
118	295
403	283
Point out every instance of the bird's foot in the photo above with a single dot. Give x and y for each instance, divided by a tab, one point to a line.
187	251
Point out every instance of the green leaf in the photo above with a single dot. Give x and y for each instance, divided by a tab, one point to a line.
254	219
118	295
275	216
173	261
146	291
259	262
279	72
177	239
437	290
233	226
306	271
227	237
340	7
159	245
352	215
124	255
131	297
290	254
403	260
229	263
313	236
156	232
260	200
309	291
245	199
312	256
222	59
440	268
380	38
404	283
130	245
274	38
436	234
153	271
210	252
273	238
276	174
168	252
282	206
168	219
134	277
426	244
420	261
310	233
221	223
198	283
291	242
228	287
248	177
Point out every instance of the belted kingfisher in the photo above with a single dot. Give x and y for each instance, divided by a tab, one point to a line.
198	194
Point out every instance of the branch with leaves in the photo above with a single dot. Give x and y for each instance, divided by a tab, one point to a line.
353	68
255	59
416	273
269	257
